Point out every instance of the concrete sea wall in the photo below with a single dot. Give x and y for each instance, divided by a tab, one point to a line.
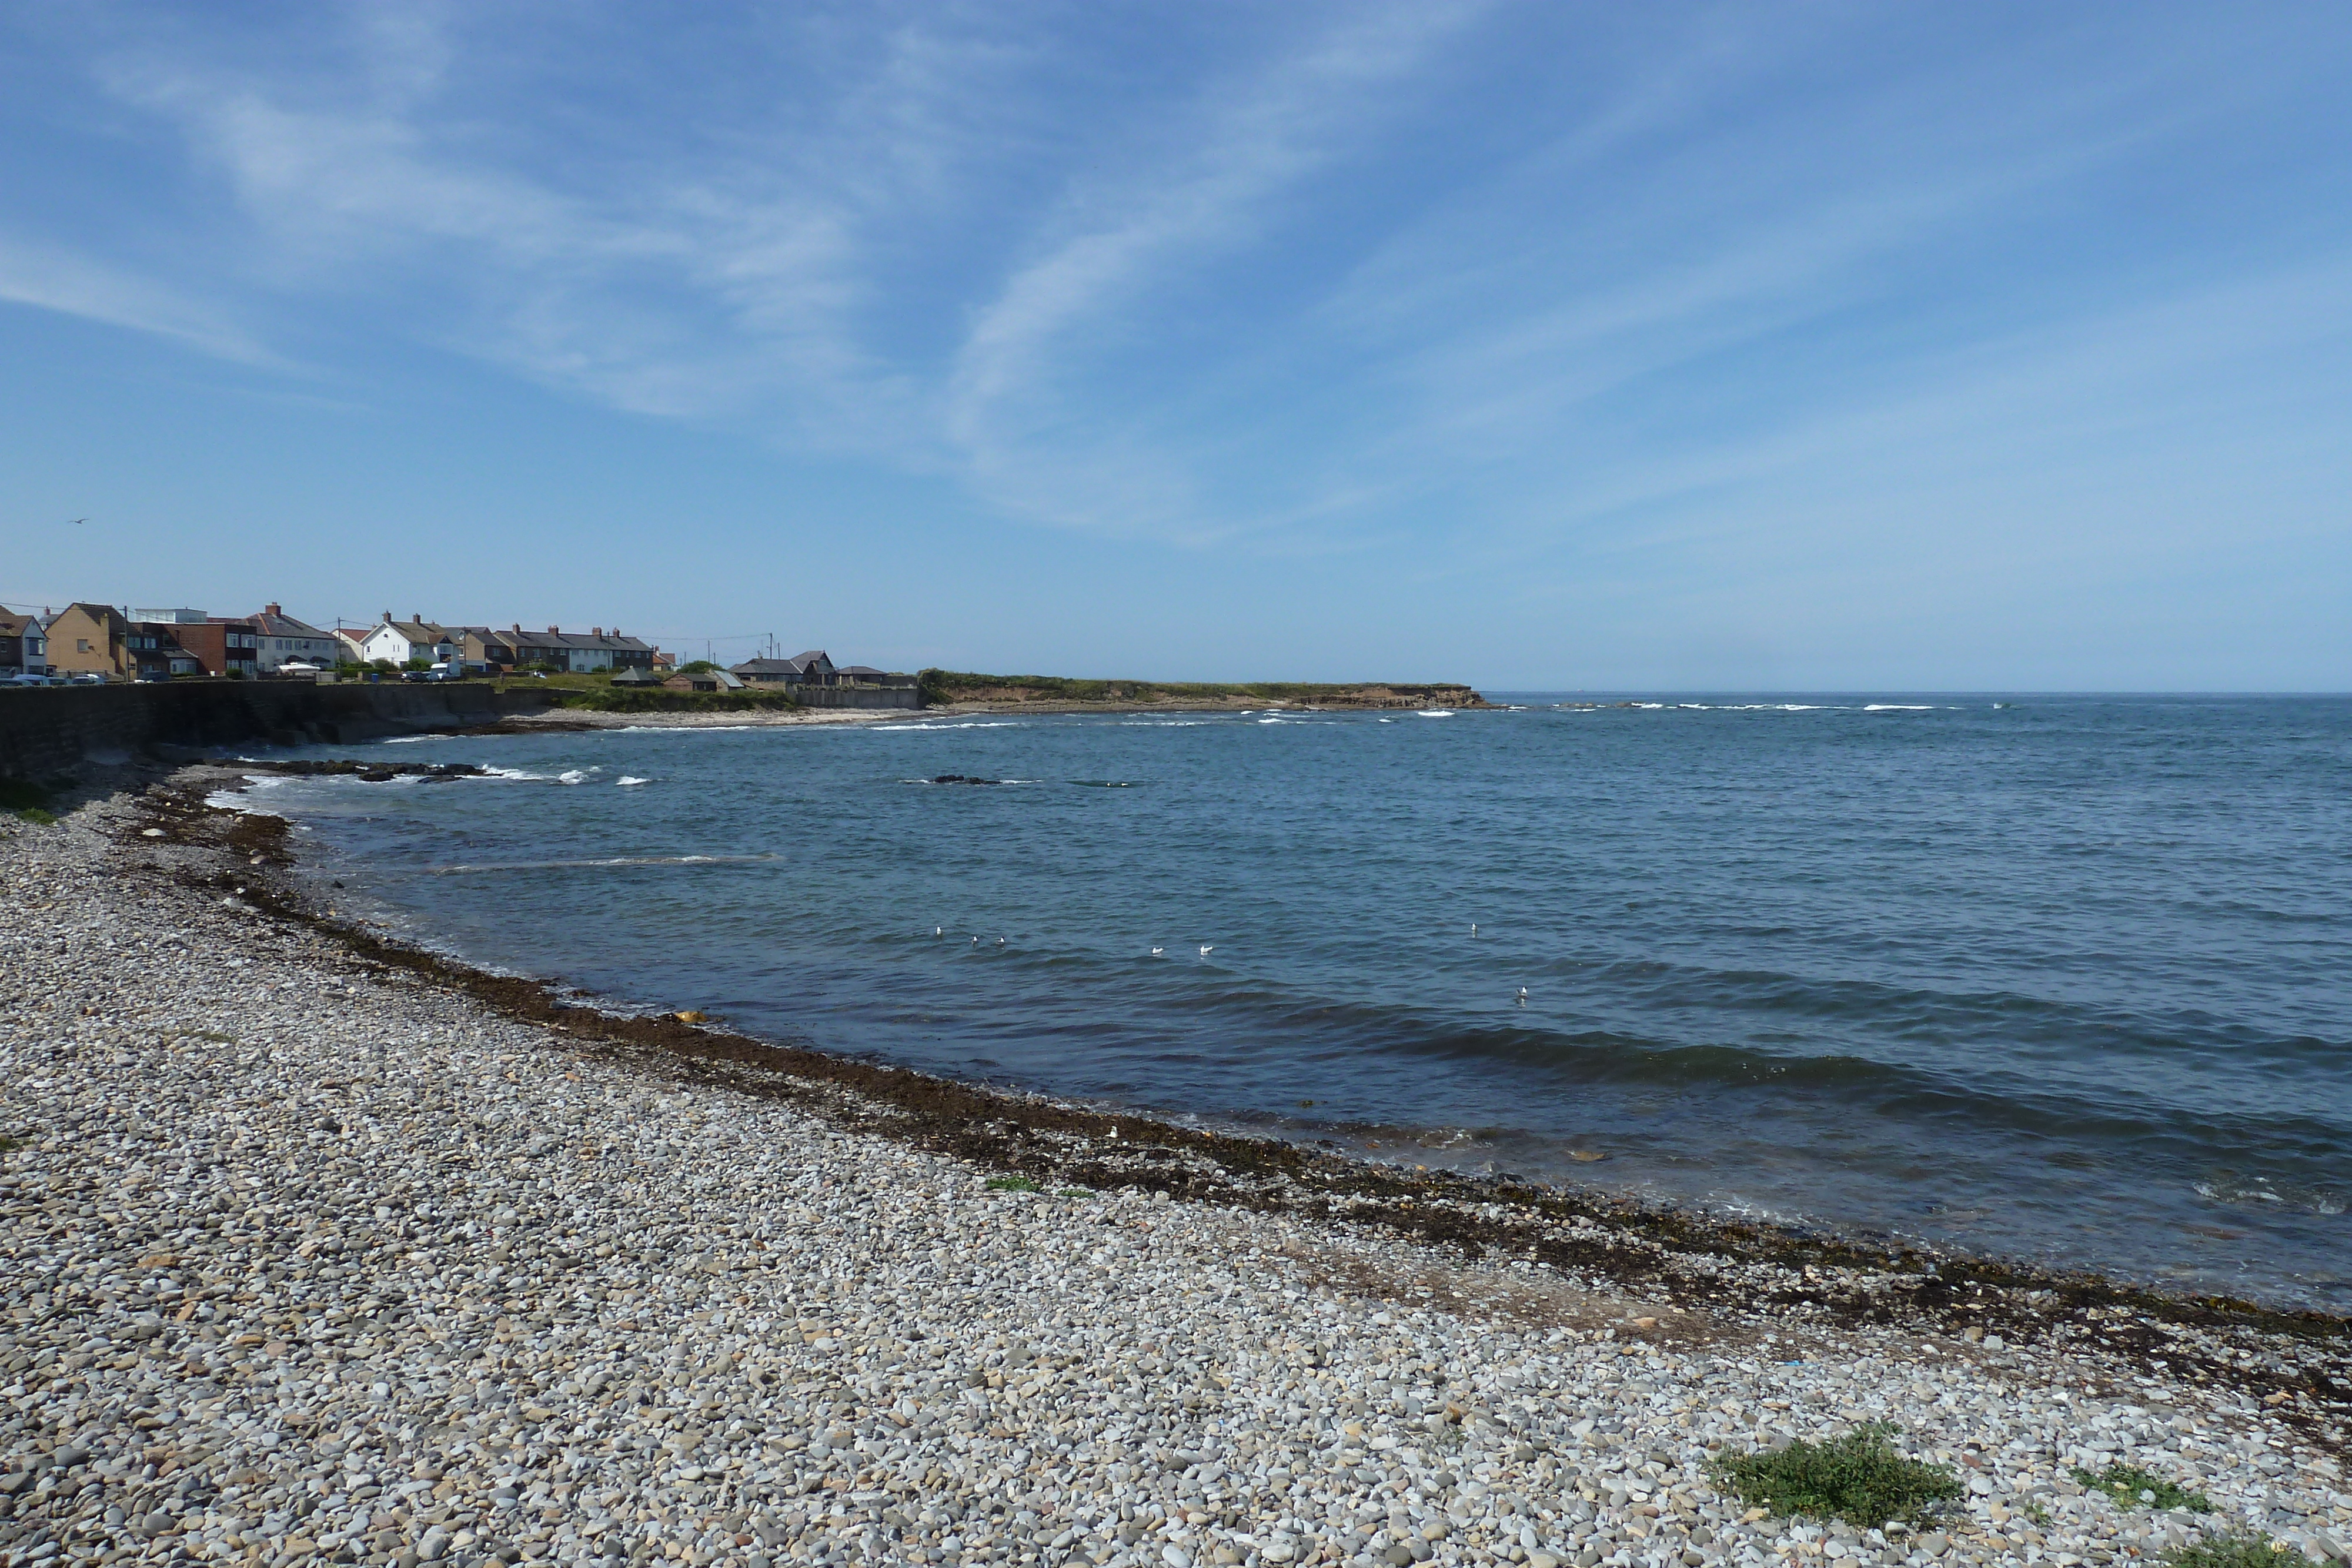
46	730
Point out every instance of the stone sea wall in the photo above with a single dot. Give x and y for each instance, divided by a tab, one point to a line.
49	729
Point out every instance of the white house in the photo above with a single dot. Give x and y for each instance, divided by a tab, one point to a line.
285	640
415	638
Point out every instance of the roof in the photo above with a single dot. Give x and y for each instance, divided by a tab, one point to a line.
15	625
797	664
279	625
417	631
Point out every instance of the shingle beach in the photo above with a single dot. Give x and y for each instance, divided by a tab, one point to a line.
307	1256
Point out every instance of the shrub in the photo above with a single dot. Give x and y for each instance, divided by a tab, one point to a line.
1859	1478
2232	1549
2127	1483
659	700
28	800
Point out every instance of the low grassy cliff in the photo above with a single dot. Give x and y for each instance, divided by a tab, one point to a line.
941	687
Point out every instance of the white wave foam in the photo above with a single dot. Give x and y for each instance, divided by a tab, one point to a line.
1434	713
596	864
1899	707
404	739
574	776
968	724
514	773
627	781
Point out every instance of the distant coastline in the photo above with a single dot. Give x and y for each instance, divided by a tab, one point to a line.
965	689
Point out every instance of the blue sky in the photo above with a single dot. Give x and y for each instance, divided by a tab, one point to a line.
1541	345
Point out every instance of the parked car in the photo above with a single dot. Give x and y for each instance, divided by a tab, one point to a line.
25	678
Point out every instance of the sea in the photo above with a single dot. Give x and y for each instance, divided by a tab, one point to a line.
2059	979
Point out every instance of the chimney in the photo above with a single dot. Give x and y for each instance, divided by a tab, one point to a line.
271	610
417	616
554	630
517	628
387	616
595	631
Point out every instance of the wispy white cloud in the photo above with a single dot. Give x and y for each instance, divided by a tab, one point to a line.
55	277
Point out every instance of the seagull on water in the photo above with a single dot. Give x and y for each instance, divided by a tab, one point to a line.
938	930
1474	930
1157	951
1523	996
1000	941
1206	949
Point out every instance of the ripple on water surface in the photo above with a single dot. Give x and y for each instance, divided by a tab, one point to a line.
2056	977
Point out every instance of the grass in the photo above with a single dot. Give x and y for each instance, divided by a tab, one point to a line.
9	1145
28	800
2234	1551
1010	1184
2125	1483
660	699
1859	1478
949	685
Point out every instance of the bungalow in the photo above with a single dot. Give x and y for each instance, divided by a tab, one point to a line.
282	640
703	681
22	644
814	669
809	669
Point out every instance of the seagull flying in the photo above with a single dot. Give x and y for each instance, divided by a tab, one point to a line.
77	522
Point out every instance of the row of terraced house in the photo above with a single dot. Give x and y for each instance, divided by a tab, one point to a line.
104	642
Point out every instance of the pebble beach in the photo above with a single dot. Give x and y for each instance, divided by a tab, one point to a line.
311	1257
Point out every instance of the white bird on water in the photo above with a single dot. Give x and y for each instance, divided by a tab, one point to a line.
1523	996
1206	949
1474	930
1000	941
938	930
1157	951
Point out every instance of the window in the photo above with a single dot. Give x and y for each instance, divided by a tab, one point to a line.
81	644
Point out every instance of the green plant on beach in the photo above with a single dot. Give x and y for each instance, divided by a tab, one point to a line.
1010	1184
2232	1549
2136	1488
1859	1478
9	1145
28	800
660	699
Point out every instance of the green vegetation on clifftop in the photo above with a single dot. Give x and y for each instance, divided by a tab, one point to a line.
942	686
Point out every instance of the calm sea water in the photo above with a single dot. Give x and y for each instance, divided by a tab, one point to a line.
2063	978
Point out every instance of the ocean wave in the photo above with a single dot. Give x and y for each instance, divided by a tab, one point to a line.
1899	707
1434	713
595	864
522	774
968	724
628	781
